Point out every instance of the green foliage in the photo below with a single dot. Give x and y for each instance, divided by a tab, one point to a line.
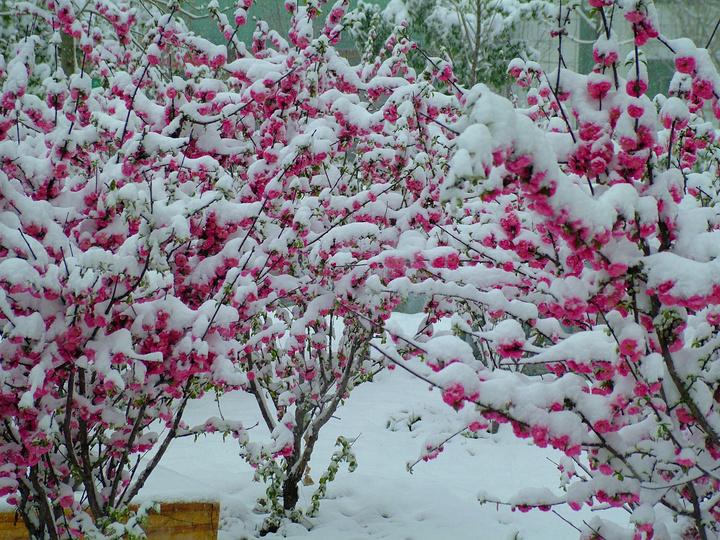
125	524
477	36
343	454
272	474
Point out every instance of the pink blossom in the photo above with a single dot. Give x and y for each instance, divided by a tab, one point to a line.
685	64
454	395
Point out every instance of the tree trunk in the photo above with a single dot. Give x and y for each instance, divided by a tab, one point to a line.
291	491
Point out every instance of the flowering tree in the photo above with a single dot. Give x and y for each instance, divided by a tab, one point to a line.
120	230
175	222
347	156
581	233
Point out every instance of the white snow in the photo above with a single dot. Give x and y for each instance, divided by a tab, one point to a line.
381	499
440	499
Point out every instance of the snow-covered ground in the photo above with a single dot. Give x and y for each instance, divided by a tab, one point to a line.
380	499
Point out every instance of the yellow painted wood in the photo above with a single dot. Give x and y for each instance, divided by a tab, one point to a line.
184	521
175	521
12	527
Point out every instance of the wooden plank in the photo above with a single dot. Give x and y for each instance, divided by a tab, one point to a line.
175	521
12	527
178	521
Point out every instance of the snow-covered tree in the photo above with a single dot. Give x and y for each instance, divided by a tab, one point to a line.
119	232
581	233
351	157
175	223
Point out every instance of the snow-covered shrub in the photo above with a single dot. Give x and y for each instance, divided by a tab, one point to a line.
120	234
174	222
350	158
585	229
